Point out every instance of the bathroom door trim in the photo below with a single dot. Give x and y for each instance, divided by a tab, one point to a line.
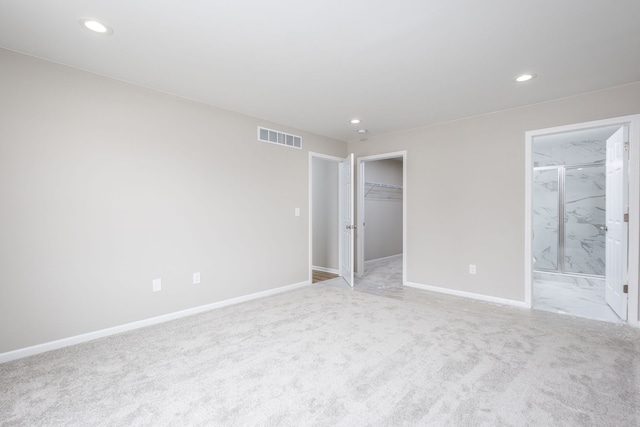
633	123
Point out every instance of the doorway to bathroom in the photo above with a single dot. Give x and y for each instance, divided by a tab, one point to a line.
579	217
569	238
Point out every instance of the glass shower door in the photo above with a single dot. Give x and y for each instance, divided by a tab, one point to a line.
545	219
584	214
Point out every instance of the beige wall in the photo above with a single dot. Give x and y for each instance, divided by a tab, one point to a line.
105	186
465	190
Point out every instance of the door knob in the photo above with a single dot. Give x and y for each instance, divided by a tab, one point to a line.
603	228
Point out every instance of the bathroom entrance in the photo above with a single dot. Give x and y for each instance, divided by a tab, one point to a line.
576	187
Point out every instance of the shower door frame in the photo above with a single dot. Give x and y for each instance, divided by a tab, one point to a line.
562	203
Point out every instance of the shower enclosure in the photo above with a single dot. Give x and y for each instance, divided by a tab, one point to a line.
569	219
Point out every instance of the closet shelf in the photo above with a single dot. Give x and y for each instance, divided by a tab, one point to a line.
382	191
379	184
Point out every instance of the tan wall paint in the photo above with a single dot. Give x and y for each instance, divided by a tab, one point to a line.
465	189
105	186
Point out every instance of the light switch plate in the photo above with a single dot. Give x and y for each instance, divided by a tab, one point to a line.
196	278
157	285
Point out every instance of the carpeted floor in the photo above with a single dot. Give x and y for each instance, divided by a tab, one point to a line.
381	277
335	357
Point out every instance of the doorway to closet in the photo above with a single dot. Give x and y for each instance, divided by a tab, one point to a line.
381	207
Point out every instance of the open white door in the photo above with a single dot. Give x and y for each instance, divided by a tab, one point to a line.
616	227
346	220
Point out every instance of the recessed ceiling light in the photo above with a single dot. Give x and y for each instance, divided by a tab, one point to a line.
355	121
361	131
96	26
524	77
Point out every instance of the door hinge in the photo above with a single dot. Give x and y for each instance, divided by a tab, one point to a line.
626	217
625	289
626	146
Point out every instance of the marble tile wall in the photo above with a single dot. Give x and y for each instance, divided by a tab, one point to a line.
569	153
584	207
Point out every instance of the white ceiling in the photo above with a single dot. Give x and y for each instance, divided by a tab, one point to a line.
315	65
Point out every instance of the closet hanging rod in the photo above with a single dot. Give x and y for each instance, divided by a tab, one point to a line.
379	184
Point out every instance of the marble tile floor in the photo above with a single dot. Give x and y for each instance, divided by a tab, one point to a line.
581	300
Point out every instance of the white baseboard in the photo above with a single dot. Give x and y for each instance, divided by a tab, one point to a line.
383	258
480	297
325	269
78	339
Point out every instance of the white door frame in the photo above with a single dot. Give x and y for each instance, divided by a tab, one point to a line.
325	157
633	123
360	161
346	219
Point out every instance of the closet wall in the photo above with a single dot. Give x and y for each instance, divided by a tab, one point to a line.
383	209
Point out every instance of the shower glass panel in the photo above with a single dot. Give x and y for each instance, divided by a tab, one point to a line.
545	219
584	214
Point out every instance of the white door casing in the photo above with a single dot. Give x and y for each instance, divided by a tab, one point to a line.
616	227
347	227
361	161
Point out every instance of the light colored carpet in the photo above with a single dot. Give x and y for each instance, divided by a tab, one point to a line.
385	271
335	357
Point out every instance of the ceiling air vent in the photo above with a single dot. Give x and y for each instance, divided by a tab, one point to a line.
281	138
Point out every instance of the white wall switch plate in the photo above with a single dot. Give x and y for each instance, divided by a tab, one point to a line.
196	278
157	285
472	269
297	212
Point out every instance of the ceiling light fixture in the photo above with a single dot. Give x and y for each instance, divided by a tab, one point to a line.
96	26
524	77
362	131
355	121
